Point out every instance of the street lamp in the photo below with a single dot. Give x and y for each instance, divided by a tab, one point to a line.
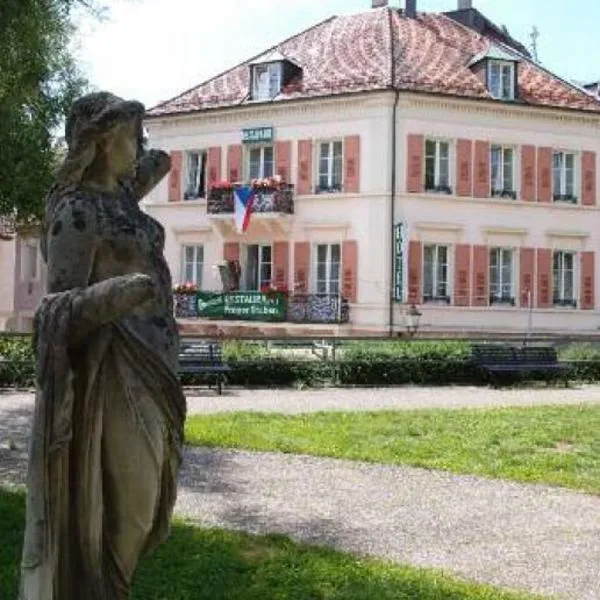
413	319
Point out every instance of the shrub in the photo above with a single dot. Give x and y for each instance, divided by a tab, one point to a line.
16	361
584	359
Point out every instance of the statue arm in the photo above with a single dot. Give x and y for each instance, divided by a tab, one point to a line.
151	168
71	244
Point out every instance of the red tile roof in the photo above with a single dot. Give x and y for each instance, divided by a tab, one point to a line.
354	54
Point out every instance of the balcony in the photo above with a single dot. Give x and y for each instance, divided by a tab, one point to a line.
265	307
273	204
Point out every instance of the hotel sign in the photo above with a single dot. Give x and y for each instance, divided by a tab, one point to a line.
257	135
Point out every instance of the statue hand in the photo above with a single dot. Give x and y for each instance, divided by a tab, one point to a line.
151	168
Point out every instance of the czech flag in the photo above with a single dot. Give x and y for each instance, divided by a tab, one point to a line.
243	200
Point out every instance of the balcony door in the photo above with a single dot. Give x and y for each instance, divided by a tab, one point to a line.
258	266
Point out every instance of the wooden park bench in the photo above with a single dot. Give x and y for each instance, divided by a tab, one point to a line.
205	358
501	359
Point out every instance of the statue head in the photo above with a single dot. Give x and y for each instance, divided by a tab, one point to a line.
104	136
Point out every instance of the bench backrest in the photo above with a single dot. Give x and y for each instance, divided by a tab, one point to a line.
503	354
539	355
201	352
494	354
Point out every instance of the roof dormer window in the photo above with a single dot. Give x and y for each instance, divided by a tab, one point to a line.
266	81
501	79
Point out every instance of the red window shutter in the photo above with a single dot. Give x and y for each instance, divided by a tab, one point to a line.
301	267
482	169
214	165
462	268
415	271
544	178
234	163
175	176
283	160
588	284
480	287
231	251
414	163
528	173
526	275
588	178
544	278
304	167
350	271
352	164
464	162
281	264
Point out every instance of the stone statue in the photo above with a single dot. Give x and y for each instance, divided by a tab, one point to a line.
108	426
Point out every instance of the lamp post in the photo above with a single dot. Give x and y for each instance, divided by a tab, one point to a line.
413	320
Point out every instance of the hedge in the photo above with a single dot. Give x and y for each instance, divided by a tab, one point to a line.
358	363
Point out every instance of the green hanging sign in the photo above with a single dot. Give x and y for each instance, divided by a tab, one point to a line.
257	135
399	263
242	306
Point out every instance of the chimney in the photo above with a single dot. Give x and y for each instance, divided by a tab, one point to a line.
379	3
465	4
411	9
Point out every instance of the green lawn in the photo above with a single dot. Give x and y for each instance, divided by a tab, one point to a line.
218	565
554	445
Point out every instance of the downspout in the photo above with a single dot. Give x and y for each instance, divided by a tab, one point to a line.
393	172
393	217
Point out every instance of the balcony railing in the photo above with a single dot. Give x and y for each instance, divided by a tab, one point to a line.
258	306
273	199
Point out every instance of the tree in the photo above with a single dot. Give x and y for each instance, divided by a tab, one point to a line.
38	81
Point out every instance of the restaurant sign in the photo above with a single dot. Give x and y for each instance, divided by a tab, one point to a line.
243	306
257	135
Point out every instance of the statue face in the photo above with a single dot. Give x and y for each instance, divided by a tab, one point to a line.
122	149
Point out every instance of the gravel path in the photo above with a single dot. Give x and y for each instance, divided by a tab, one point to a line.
537	538
292	401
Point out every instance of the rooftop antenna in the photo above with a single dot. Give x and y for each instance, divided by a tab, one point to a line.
534	35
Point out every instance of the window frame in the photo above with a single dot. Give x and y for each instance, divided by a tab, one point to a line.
194	263
437	187
562	195
434	298
203	158
502	65
259	268
331	188
256	94
501	299
261	148
560	300
328	269
503	192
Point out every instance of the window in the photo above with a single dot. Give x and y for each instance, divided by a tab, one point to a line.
266	81
330	167
195	175
29	260
437	166
193	264
328	269
435	274
258	267
503	172
563	176
563	279
502	80
260	162
501	276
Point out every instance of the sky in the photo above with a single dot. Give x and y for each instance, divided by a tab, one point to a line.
152	50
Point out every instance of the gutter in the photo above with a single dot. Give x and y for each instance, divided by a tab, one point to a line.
393	172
